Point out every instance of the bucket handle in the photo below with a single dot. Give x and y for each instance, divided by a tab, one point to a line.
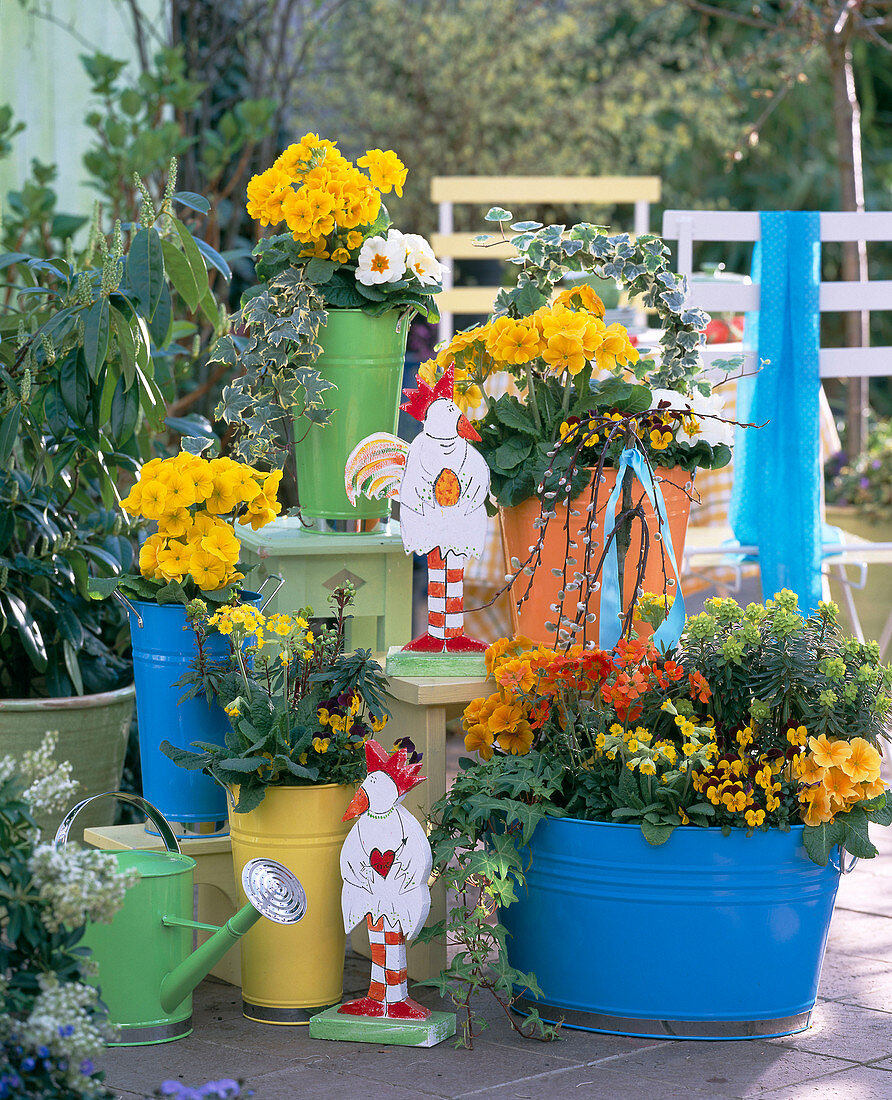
152	813
272	577
839	862
123	599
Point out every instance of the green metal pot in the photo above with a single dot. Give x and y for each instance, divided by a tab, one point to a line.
363	356
146	968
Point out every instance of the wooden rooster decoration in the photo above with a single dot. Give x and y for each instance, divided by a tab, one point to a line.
442	484
385	865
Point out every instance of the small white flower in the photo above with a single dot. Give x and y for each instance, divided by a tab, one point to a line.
703	409
421	260
382	259
80	884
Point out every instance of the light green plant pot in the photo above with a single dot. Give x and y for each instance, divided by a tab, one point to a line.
363	356
875	599
92	738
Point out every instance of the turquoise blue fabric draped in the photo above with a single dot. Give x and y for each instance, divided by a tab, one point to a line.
775	500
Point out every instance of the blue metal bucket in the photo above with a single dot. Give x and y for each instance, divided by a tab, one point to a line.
704	937
164	647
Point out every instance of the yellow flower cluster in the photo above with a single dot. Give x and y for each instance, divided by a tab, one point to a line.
289	634
638	751
187	496
836	775
560	338
322	197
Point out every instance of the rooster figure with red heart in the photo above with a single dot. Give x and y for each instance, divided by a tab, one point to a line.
385	865
442	484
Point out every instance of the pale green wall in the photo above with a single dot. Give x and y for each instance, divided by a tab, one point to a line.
41	76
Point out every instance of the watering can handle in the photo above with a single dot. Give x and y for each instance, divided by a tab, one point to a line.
154	815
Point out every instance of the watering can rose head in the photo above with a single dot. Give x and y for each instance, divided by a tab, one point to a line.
300	708
338	230
762	718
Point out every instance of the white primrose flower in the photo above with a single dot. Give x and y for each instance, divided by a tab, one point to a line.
382	259
703	410
421	260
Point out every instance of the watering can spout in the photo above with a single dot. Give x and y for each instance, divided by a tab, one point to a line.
272	891
180	982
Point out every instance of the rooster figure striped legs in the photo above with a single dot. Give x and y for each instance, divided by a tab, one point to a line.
389	988
445	609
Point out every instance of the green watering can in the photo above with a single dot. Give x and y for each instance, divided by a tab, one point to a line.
147	968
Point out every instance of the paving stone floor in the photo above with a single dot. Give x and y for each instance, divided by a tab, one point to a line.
845	1055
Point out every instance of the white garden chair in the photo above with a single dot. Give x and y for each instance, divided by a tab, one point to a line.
709	545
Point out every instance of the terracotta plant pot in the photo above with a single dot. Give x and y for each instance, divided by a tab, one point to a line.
519	534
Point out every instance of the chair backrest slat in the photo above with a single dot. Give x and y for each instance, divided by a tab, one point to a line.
690	227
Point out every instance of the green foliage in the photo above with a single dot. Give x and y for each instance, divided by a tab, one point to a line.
138	125
300	708
34	948
587	88
86	344
866	482
480	831
273	367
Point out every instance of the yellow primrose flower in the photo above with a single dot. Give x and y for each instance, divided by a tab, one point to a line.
148	557
153	496
173	560
386	171
827	753
479	739
863	763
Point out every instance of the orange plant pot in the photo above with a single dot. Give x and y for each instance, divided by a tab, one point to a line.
519	534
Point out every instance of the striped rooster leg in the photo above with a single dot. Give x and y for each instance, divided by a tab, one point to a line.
454	607
434	640
373	1004
398	1004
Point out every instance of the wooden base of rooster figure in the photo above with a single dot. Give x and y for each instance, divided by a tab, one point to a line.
442	484
385	865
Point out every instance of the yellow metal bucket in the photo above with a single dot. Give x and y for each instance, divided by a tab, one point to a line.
290	972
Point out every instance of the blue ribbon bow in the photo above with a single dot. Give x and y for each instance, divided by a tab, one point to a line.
610	626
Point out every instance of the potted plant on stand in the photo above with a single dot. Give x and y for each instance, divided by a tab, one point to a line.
714	791
195	503
77	396
582	391
291	761
337	291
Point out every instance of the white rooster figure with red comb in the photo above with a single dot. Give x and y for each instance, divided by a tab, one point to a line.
442	484
385	865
